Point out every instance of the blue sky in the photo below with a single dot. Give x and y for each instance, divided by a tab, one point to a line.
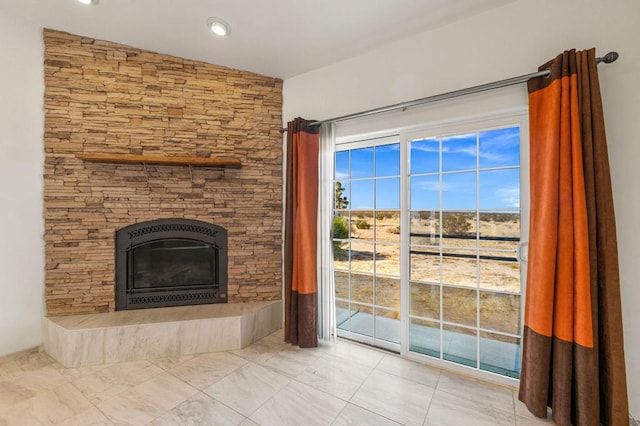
376	169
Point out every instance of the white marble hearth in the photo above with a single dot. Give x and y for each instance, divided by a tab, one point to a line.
93	339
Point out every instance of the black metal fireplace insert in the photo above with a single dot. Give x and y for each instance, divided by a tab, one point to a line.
170	262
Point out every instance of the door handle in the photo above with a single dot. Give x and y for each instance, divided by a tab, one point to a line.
521	251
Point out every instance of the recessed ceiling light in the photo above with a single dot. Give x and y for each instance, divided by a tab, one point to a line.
218	27
91	2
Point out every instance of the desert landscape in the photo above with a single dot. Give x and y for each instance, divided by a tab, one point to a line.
468	265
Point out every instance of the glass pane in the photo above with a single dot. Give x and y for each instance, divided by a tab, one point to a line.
341	255
498	274
342	284
340	225
507	248
388	193
388	226
500	148
424	337
500	354
388	259
362	319
425	192
361	195
500	230
362	288
459	152
460	267
361	163
387	325
500	311
173	262
425	300
425	227
342	165
425	265
458	191
388	293
459	305
388	160
361	256
459	229
500	189
342	195
460	345
425	156
342	315
362	225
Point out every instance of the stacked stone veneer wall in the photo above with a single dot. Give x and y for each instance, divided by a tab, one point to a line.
102	97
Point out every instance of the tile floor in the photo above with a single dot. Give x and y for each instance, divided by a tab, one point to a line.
267	383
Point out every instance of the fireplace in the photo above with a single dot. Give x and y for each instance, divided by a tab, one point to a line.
170	262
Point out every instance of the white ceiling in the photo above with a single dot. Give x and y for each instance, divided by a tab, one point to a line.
279	38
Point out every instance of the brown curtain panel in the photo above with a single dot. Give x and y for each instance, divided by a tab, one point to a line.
573	359
301	215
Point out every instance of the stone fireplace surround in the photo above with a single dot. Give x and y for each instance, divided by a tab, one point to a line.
105	98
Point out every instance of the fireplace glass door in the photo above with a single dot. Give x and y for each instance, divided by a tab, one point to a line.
171	264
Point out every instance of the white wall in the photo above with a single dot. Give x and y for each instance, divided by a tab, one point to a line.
21	168
512	40
504	42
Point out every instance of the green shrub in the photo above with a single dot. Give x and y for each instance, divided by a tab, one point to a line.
362	224
340	230
386	215
455	224
499	217
429	215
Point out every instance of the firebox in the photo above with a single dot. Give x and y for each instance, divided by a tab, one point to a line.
170	262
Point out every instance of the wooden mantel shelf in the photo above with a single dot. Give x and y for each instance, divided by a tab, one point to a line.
222	162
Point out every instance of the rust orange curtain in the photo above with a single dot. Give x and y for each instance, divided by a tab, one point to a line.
573	359
301	215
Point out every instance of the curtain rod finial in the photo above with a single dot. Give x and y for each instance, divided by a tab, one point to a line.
608	58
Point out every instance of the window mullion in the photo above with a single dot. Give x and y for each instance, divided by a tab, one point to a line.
405	239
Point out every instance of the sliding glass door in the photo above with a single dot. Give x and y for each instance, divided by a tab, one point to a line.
464	277
366	243
427	227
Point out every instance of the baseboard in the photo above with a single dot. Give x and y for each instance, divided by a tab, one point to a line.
10	357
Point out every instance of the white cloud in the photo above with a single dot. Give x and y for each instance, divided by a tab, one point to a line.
509	196
383	148
468	136
463	149
502	139
431	147
341	175
493	157
430	185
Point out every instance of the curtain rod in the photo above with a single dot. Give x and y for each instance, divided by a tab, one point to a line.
607	59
